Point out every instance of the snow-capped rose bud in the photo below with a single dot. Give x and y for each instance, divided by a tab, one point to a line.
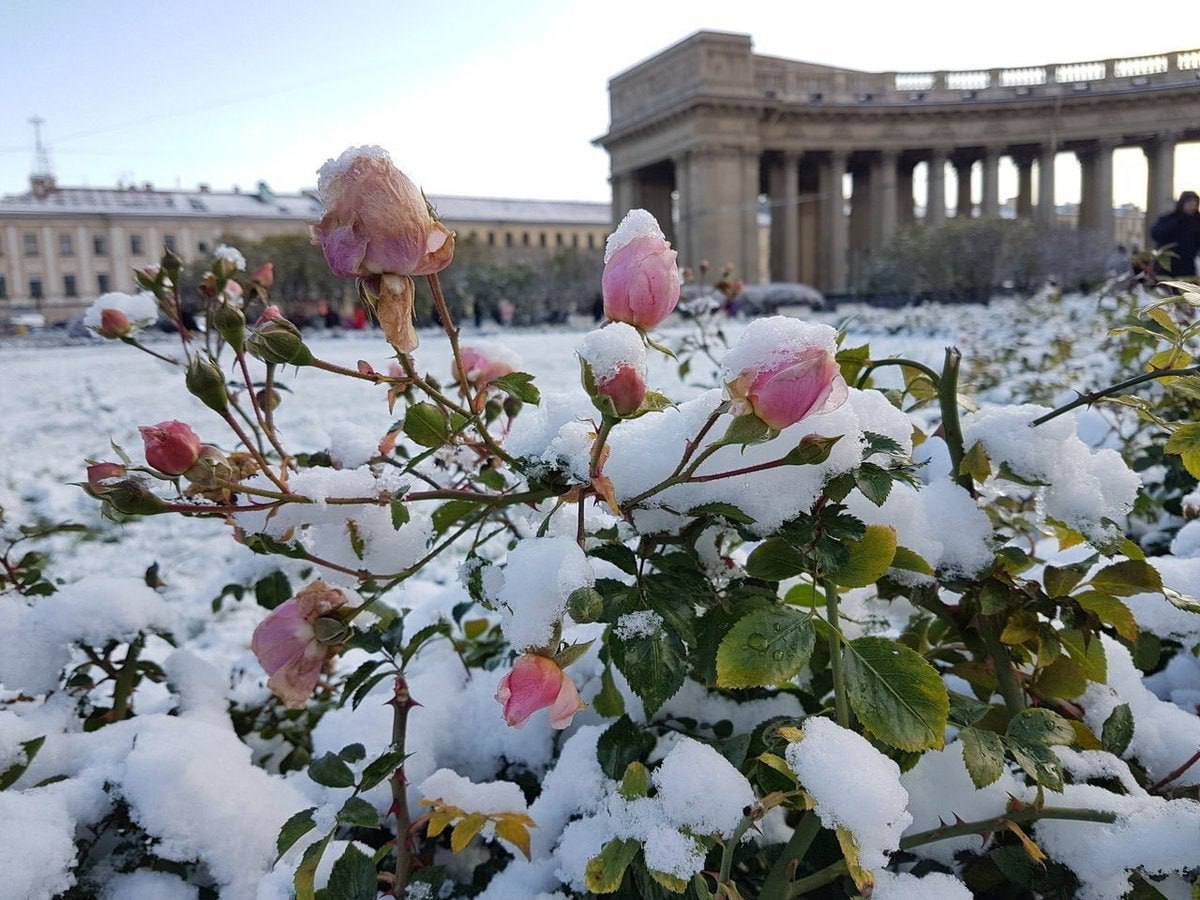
790	388
171	447
536	682
289	647
376	220
102	473
641	280
482	365
626	389
264	275
113	324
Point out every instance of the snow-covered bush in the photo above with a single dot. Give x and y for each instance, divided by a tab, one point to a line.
814	631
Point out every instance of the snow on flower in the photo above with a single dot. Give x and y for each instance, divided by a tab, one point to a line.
232	256
539	576
135	311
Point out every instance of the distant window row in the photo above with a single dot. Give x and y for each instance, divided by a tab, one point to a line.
37	289
535	238
31	244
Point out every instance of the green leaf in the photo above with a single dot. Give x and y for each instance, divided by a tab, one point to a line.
382	767
357	677
896	694
622	743
1110	611
606	871
1118	730
353	876
983	752
400	514
1087	652
519	385
1061	580
353	753
357	811
1039	761
306	873
1181	601
654	665
911	561
1124	579
450	512
297	825
272	590
331	771
975	463
774	560
765	648
426	424
1040	726
870	557
804	594
724	510
812	450
1006	472
874	482
29	750
609	701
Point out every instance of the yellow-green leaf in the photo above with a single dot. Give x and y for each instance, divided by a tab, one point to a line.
606	870
1110	611
515	833
896	693
465	831
870	557
766	647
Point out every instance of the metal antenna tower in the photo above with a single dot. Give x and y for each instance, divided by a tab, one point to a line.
41	156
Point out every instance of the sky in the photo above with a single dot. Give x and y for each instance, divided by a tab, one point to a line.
470	97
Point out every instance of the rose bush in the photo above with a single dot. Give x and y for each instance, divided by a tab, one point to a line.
829	628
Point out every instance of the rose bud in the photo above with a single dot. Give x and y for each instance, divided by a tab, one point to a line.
100	475
205	381
376	220
805	383
212	469
641	281
276	340
536	682
230	323
171	447
626	389
113	324
268	400
293	642
483	363
264	275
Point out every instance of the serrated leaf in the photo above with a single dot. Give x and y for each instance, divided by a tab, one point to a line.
975	463
1040	726
870	557
1110	611
622	743
1039	762
896	693
515	832
331	770
767	647
724	510
874	482
519	385
29	749
297	825
1087	652
774	560
1126	578
466	829
400	515
380	768
357	811
911	561
353	876
606	871
983	753
426	425
1118	730
306	872
654	665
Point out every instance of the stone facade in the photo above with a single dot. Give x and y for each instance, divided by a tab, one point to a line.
703	130
62	247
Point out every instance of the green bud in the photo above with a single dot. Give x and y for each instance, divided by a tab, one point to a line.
278	341
205	381
230	322
585	605
131	497
269	400
211	470
171	263
512	405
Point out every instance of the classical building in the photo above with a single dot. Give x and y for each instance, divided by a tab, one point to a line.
703	130
60	247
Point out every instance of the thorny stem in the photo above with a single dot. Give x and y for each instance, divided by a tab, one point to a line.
254	451
1092	396
123	689
133	342
836	666
401	703
373	377
606	426
263	421
983	826
1006	677
776	884
451	329
1175	773
894	361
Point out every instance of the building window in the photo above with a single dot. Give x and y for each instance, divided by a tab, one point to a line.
202	246
135	244
574	240
508	239
69	288
99	245
542	239
591	241
66	246
102	283
3	288
525	238
169	242
31	243
558	239
491	239
35	288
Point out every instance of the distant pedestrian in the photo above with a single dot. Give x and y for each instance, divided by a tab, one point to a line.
1178	232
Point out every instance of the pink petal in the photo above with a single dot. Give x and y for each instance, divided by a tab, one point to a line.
566	704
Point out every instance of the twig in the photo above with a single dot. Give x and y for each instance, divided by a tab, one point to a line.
1175	773
1092	396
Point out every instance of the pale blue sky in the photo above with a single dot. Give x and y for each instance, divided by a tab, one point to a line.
470	97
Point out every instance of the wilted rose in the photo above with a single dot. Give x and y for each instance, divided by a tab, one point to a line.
534	683
482	366
291	643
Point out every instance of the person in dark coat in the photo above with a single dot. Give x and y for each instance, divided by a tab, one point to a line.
1179	232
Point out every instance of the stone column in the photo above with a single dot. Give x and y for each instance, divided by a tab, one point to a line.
905	214
835	225
989	207
791	217
683	227
962	169
749	267
1102	196
1160	180
1047	211
118	256
1087	179
720	208
1024	164
15	253
864	222
883	193
654	196
83	249
935	195
623	198
52	285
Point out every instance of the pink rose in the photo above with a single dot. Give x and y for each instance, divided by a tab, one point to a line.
641	282
482	367
287	645
626	389
171	447
793	388
113	323
99	473
264	274
377	221
536	682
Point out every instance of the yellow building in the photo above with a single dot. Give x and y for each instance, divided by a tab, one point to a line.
60	247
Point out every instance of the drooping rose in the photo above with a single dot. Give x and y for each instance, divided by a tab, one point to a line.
790	389
483	365
376	220
626	388
171	447
292	642
101	473
536	682
113	324
641	280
